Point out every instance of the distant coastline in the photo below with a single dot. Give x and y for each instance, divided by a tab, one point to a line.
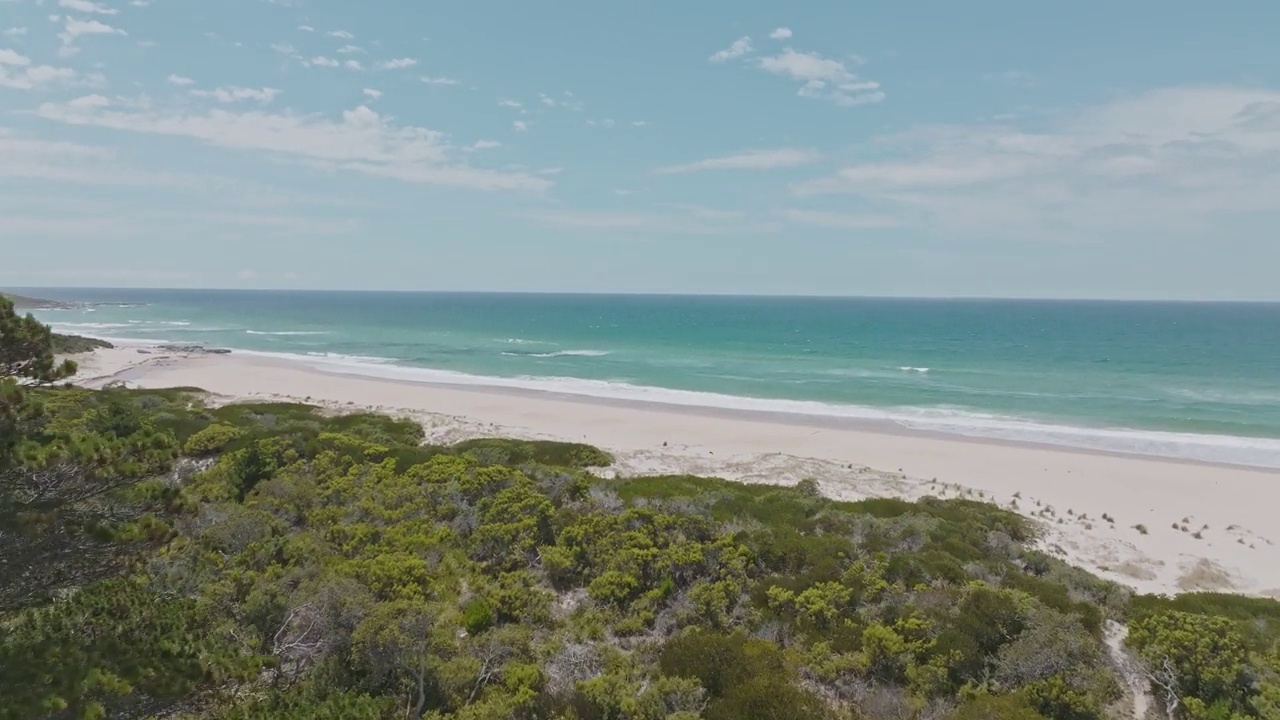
23	302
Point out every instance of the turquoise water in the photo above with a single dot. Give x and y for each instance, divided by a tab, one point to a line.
1177	379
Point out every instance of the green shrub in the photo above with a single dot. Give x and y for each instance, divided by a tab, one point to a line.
212	440
477	616
996	707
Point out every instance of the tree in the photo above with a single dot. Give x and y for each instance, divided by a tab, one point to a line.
70	501
26	349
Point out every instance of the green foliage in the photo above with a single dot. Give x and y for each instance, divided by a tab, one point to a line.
75	344
26	349
996	707
311	565
1203	656
546	452
1257	620
303	705
213	439
111	646
477	616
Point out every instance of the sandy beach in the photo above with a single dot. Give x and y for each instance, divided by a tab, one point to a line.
1154	525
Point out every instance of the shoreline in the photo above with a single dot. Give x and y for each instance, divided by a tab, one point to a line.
1075	438
1226	545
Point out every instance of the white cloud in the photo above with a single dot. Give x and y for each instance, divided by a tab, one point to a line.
74	29
11	57
180	80
1170	161
748	160
510	103
306	28
85	6
234	94
285	49
547	100
372	94
321	61
139	3
781	33
519	126
483	145
353	65
823	78
360	141
350	49
340	34
639	123
14	32
18	73
398	64
842	221
740	47
440	80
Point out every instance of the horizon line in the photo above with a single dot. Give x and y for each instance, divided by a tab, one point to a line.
684	294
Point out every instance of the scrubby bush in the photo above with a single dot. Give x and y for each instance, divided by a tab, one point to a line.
211	440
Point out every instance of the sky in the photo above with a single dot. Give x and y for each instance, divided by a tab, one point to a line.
987	148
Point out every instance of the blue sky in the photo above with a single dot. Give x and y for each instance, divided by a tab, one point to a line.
986	148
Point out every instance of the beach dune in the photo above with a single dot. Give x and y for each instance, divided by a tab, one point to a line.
1152	524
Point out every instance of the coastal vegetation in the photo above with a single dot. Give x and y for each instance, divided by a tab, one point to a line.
164	557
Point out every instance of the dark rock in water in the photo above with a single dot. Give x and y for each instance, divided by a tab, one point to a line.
194	349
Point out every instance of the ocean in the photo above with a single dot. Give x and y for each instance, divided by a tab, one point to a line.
1185	380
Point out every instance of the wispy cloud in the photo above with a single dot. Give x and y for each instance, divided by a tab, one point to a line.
85	6
747	160
519	126
483	145
14	32
842	220
360	141
661	220
75	29
781	33
372	94
353	65
18	72
510	104
823	78
741	46
180	80
340	34
350	50
398	64
321	61
306	28
439	80
1168	161
234	94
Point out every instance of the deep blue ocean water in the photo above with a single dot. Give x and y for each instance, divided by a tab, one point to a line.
1191	380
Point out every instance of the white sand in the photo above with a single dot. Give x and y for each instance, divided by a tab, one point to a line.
1236	507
